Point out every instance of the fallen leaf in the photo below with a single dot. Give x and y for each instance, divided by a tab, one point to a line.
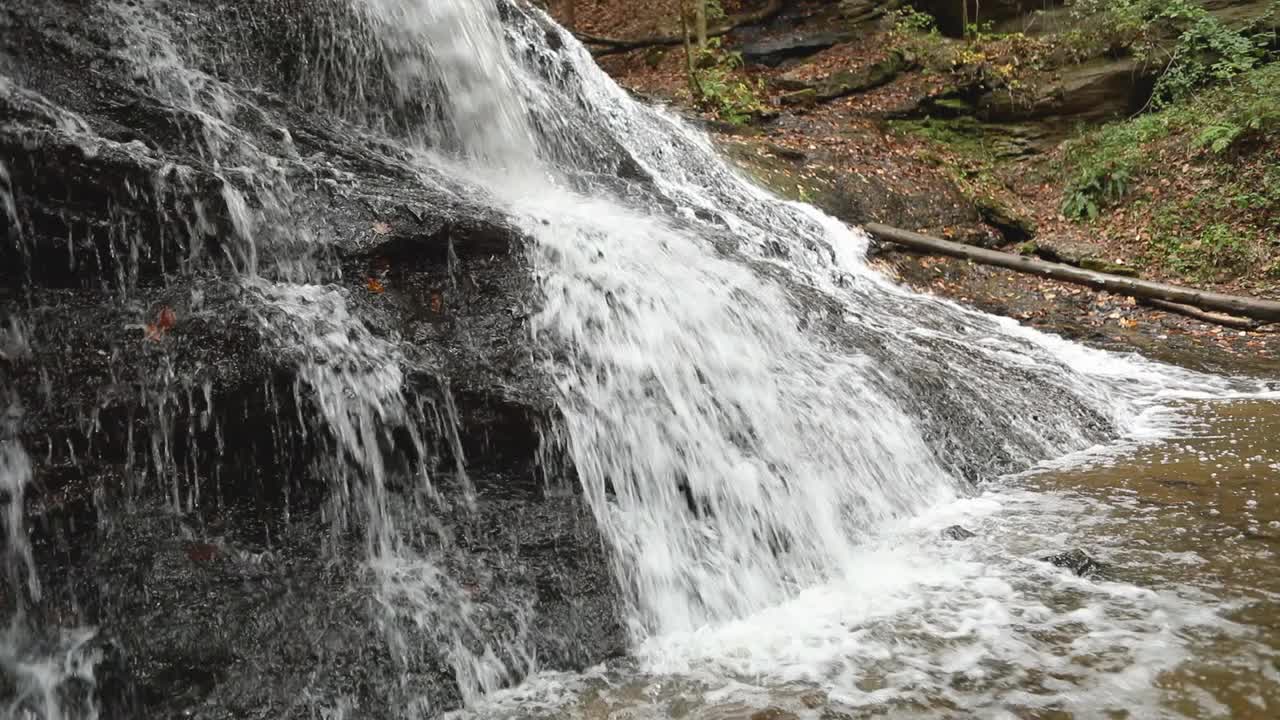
381	228
375	285
437	303
201	552
166	318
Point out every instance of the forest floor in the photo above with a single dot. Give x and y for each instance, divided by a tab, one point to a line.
902	154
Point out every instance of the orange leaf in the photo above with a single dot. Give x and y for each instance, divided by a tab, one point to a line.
154	333
437	302
374	285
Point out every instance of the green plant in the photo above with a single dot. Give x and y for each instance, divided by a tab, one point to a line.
908	20
1217	138
1093	189
1206	52
1248	112
917	33
1105	163
1191	46
1215	248
720	90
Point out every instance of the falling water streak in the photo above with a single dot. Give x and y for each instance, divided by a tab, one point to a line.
350	377
39	668
15	476
12	225
455	50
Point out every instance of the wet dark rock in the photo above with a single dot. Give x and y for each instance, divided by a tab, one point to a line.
1077	561
181	504
777	50
774	713
956	532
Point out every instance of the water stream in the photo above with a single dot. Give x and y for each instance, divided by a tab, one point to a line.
770	435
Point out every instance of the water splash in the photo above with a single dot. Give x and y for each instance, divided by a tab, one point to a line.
52	677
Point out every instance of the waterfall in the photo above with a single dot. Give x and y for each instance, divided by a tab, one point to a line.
737	438
744	401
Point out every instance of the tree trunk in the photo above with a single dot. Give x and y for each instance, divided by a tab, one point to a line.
700	22
694	87
1256	308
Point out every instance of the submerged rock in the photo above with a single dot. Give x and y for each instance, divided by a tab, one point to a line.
956	532
1077	561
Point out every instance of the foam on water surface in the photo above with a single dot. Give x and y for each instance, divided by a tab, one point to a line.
924	626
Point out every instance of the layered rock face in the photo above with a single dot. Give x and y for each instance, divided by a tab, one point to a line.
269	398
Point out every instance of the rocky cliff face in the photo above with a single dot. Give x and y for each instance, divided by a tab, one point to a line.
183	217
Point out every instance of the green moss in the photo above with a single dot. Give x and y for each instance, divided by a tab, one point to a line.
954	106
1104	266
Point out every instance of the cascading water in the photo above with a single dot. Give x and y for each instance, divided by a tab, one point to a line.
734	447
748	407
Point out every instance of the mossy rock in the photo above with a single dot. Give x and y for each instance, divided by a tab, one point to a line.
1104	266
807	96
1013	226
950	107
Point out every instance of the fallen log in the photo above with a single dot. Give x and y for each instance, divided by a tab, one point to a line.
1256	308
1196	313
617	45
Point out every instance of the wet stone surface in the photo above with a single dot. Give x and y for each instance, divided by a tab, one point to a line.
180	501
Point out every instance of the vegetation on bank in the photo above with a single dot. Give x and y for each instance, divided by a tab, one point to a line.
1147	129
1204	172
1194	173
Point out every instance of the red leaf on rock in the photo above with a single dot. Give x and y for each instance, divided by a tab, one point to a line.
167	318
201	552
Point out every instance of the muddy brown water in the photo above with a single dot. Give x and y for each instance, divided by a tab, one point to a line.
1200	511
